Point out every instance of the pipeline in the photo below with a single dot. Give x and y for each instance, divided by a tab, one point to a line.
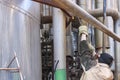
96	13
75	10
109	12
59	44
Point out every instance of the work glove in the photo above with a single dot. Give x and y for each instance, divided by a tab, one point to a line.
83	30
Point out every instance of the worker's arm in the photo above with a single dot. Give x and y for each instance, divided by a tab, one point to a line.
86	49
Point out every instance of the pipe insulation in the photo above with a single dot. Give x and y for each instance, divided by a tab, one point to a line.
75	10
59	44
109	12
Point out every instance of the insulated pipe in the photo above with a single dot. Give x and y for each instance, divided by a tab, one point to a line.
78	11
82	3
98	33
59	44
109	12
117	50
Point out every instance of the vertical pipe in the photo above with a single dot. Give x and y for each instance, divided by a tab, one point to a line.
98	33
74	35
82	4
89	4
110	24
93	4
118	5
117	47
118	44
59	44
117	51
106	43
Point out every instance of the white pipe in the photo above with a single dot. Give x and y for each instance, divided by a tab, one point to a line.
59	43
59	37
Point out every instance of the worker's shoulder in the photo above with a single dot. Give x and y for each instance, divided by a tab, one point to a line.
102	65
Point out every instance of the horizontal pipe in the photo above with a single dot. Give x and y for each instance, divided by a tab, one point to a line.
75	10
96	13
9	69
109	12
51	3
48	2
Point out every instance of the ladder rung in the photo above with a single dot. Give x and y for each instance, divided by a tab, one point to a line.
9	69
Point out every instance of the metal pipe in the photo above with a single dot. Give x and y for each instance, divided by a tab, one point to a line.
82	3
117	47
59	44
117	50
7	69
98	33
118	2
78	11
109	12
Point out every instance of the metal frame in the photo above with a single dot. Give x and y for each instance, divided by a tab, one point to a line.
14	69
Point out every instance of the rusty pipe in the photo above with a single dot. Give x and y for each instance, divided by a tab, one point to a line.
75	10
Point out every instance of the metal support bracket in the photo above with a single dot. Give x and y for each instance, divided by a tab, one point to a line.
14	69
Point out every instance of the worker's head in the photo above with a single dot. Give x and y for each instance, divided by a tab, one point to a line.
106	58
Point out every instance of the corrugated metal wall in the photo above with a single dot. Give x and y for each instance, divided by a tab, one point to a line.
20	32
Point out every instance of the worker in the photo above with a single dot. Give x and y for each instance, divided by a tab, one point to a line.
94	69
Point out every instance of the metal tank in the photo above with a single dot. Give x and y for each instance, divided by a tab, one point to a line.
20	34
